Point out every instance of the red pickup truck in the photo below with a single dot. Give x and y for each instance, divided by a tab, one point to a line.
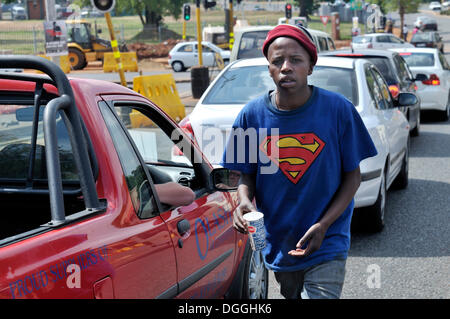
80	161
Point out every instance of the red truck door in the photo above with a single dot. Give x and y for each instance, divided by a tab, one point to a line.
202	233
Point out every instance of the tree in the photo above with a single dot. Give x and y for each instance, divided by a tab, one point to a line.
307	7
150	12
403	7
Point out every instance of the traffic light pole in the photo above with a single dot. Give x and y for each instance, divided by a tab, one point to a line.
115	49
199	32
184	29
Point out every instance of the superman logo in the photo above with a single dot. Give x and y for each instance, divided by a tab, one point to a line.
293	154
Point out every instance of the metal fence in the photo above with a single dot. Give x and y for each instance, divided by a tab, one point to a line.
26	39
20	38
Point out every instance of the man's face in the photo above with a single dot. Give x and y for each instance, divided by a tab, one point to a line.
289	65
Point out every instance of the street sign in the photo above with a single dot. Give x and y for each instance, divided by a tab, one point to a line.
324	19
55	38
356	4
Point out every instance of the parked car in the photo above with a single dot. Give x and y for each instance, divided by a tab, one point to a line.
249	40
435	6
82	163
396	73
358	80
185	55
425	23
18	13
434	92
381	41
430	39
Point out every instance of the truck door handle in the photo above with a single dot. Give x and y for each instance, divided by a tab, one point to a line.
183	226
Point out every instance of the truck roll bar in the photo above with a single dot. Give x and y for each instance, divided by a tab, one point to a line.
72	118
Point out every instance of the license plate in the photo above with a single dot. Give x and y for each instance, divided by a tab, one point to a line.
420	44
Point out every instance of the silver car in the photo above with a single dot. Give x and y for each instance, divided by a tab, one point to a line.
185	55
382	41
357	80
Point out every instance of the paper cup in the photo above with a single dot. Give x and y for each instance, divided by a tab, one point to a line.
256	230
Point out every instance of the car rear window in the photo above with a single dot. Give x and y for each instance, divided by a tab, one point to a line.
421	37
384	67
240	85
16	151
337	80
251	44
361	39
418	59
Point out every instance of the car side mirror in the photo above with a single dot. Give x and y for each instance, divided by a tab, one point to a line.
223	179
406	99
420	77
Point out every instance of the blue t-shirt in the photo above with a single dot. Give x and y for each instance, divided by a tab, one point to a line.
298	157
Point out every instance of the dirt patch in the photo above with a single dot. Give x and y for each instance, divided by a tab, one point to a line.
342	43
157	50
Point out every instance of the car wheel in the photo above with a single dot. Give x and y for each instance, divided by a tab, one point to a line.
416	131
374	215
401	181
252	277
256	284
76	59
178	66
445	115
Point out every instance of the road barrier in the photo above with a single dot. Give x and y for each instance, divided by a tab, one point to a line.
64	63
129	62
162	91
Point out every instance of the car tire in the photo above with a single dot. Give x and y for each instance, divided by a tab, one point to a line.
256	277
76	59
252	277
401	181
445	115
178	66
374	215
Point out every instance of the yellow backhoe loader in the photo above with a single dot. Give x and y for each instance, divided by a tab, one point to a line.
83	45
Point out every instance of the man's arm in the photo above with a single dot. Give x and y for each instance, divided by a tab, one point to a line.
316	233
246	192
175	194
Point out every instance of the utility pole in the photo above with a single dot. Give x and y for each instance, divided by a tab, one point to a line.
231	29
199	33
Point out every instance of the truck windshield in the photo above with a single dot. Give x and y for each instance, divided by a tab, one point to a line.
240	85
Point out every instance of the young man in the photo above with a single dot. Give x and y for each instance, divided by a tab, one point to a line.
317	140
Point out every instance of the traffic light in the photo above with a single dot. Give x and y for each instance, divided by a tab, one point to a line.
288	10
103	5
187	12
208	4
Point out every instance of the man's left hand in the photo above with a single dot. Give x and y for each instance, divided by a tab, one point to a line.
314	237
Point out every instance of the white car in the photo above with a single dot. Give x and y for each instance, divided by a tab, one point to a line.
248	41
435	91
185	55
358	80
382	41
435	6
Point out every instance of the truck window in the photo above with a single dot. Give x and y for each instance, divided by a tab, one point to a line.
251	44
135	176
23	171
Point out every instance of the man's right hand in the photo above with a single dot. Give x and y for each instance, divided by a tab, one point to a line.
246	190
239	222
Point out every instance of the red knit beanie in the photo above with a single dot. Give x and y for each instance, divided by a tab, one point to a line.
294	32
